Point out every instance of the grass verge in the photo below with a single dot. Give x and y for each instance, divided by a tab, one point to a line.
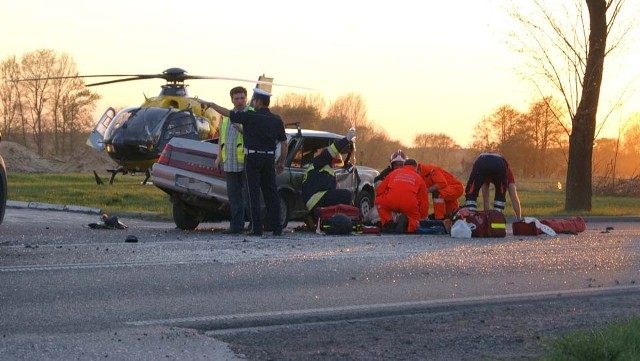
539	199
617	341
126	195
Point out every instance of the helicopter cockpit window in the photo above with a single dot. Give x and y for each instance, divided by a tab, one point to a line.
180	124
137	124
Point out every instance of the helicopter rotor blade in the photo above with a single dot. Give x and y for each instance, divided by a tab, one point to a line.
171	75
244	80
137	77
77	77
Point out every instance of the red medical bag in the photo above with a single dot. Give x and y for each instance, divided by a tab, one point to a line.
521	228
489	223
570	225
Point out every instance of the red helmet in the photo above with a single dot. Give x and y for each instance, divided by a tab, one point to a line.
398	156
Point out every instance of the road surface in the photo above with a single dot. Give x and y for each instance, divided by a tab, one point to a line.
72	292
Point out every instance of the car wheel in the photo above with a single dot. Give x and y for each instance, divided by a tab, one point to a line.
284	210
364	201
3	189
183	219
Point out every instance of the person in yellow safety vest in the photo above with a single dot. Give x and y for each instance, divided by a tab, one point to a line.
444	187
319	186
231	160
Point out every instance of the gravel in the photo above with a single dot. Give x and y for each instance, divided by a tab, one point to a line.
503	331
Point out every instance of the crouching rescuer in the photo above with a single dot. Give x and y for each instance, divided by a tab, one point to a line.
319	186
405	192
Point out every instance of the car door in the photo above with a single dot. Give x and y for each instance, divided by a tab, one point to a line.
346	174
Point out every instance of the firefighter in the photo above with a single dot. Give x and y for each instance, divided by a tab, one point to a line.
403	191
444	187
396	161
492	167
319	186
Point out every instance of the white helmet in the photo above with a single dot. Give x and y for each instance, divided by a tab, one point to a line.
397	156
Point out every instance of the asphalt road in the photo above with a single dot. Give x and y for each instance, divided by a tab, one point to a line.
72	292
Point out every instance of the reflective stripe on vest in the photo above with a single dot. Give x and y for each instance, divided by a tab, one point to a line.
223	138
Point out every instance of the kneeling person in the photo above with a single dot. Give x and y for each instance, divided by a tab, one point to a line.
404	191
319	186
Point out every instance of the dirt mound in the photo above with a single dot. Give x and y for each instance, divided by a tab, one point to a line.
20	159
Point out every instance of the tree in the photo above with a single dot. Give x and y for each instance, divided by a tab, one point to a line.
306	109
77	108
50	101
631	135
9	96
568	52
484	137
347	111
543	128
493	131
435	148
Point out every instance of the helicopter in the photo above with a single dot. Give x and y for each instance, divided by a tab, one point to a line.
135	136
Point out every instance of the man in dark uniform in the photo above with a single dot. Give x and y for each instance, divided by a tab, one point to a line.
262	130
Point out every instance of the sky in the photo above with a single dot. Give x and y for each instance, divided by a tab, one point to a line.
421	67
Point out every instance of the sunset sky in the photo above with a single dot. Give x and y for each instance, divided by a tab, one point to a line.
436	67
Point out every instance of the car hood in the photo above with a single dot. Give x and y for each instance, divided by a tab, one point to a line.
367	172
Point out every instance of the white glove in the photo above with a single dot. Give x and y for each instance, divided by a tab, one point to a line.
351	134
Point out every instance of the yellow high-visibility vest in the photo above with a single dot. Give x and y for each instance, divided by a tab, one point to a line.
239	141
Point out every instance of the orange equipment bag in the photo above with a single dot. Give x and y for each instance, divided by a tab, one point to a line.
521	228
571	225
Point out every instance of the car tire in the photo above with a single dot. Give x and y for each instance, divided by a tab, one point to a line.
284	210
183	219
364	202
3	190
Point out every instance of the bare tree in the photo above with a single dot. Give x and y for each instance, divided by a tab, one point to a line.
77	107
348	111
49	100
37	65
484	137
495	130
306	109
435	148
568	51
9	96
544	129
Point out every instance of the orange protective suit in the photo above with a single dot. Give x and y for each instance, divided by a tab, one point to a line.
445	188
404	191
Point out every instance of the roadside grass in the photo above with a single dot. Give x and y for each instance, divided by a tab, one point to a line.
125	195
616	341
538	198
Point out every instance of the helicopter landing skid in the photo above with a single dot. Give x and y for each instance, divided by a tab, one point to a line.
120	170
114	172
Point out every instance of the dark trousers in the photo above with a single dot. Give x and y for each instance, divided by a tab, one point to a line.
487	168
335	196
260	174
235	185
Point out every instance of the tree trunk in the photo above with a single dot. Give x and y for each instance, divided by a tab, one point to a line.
579	172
